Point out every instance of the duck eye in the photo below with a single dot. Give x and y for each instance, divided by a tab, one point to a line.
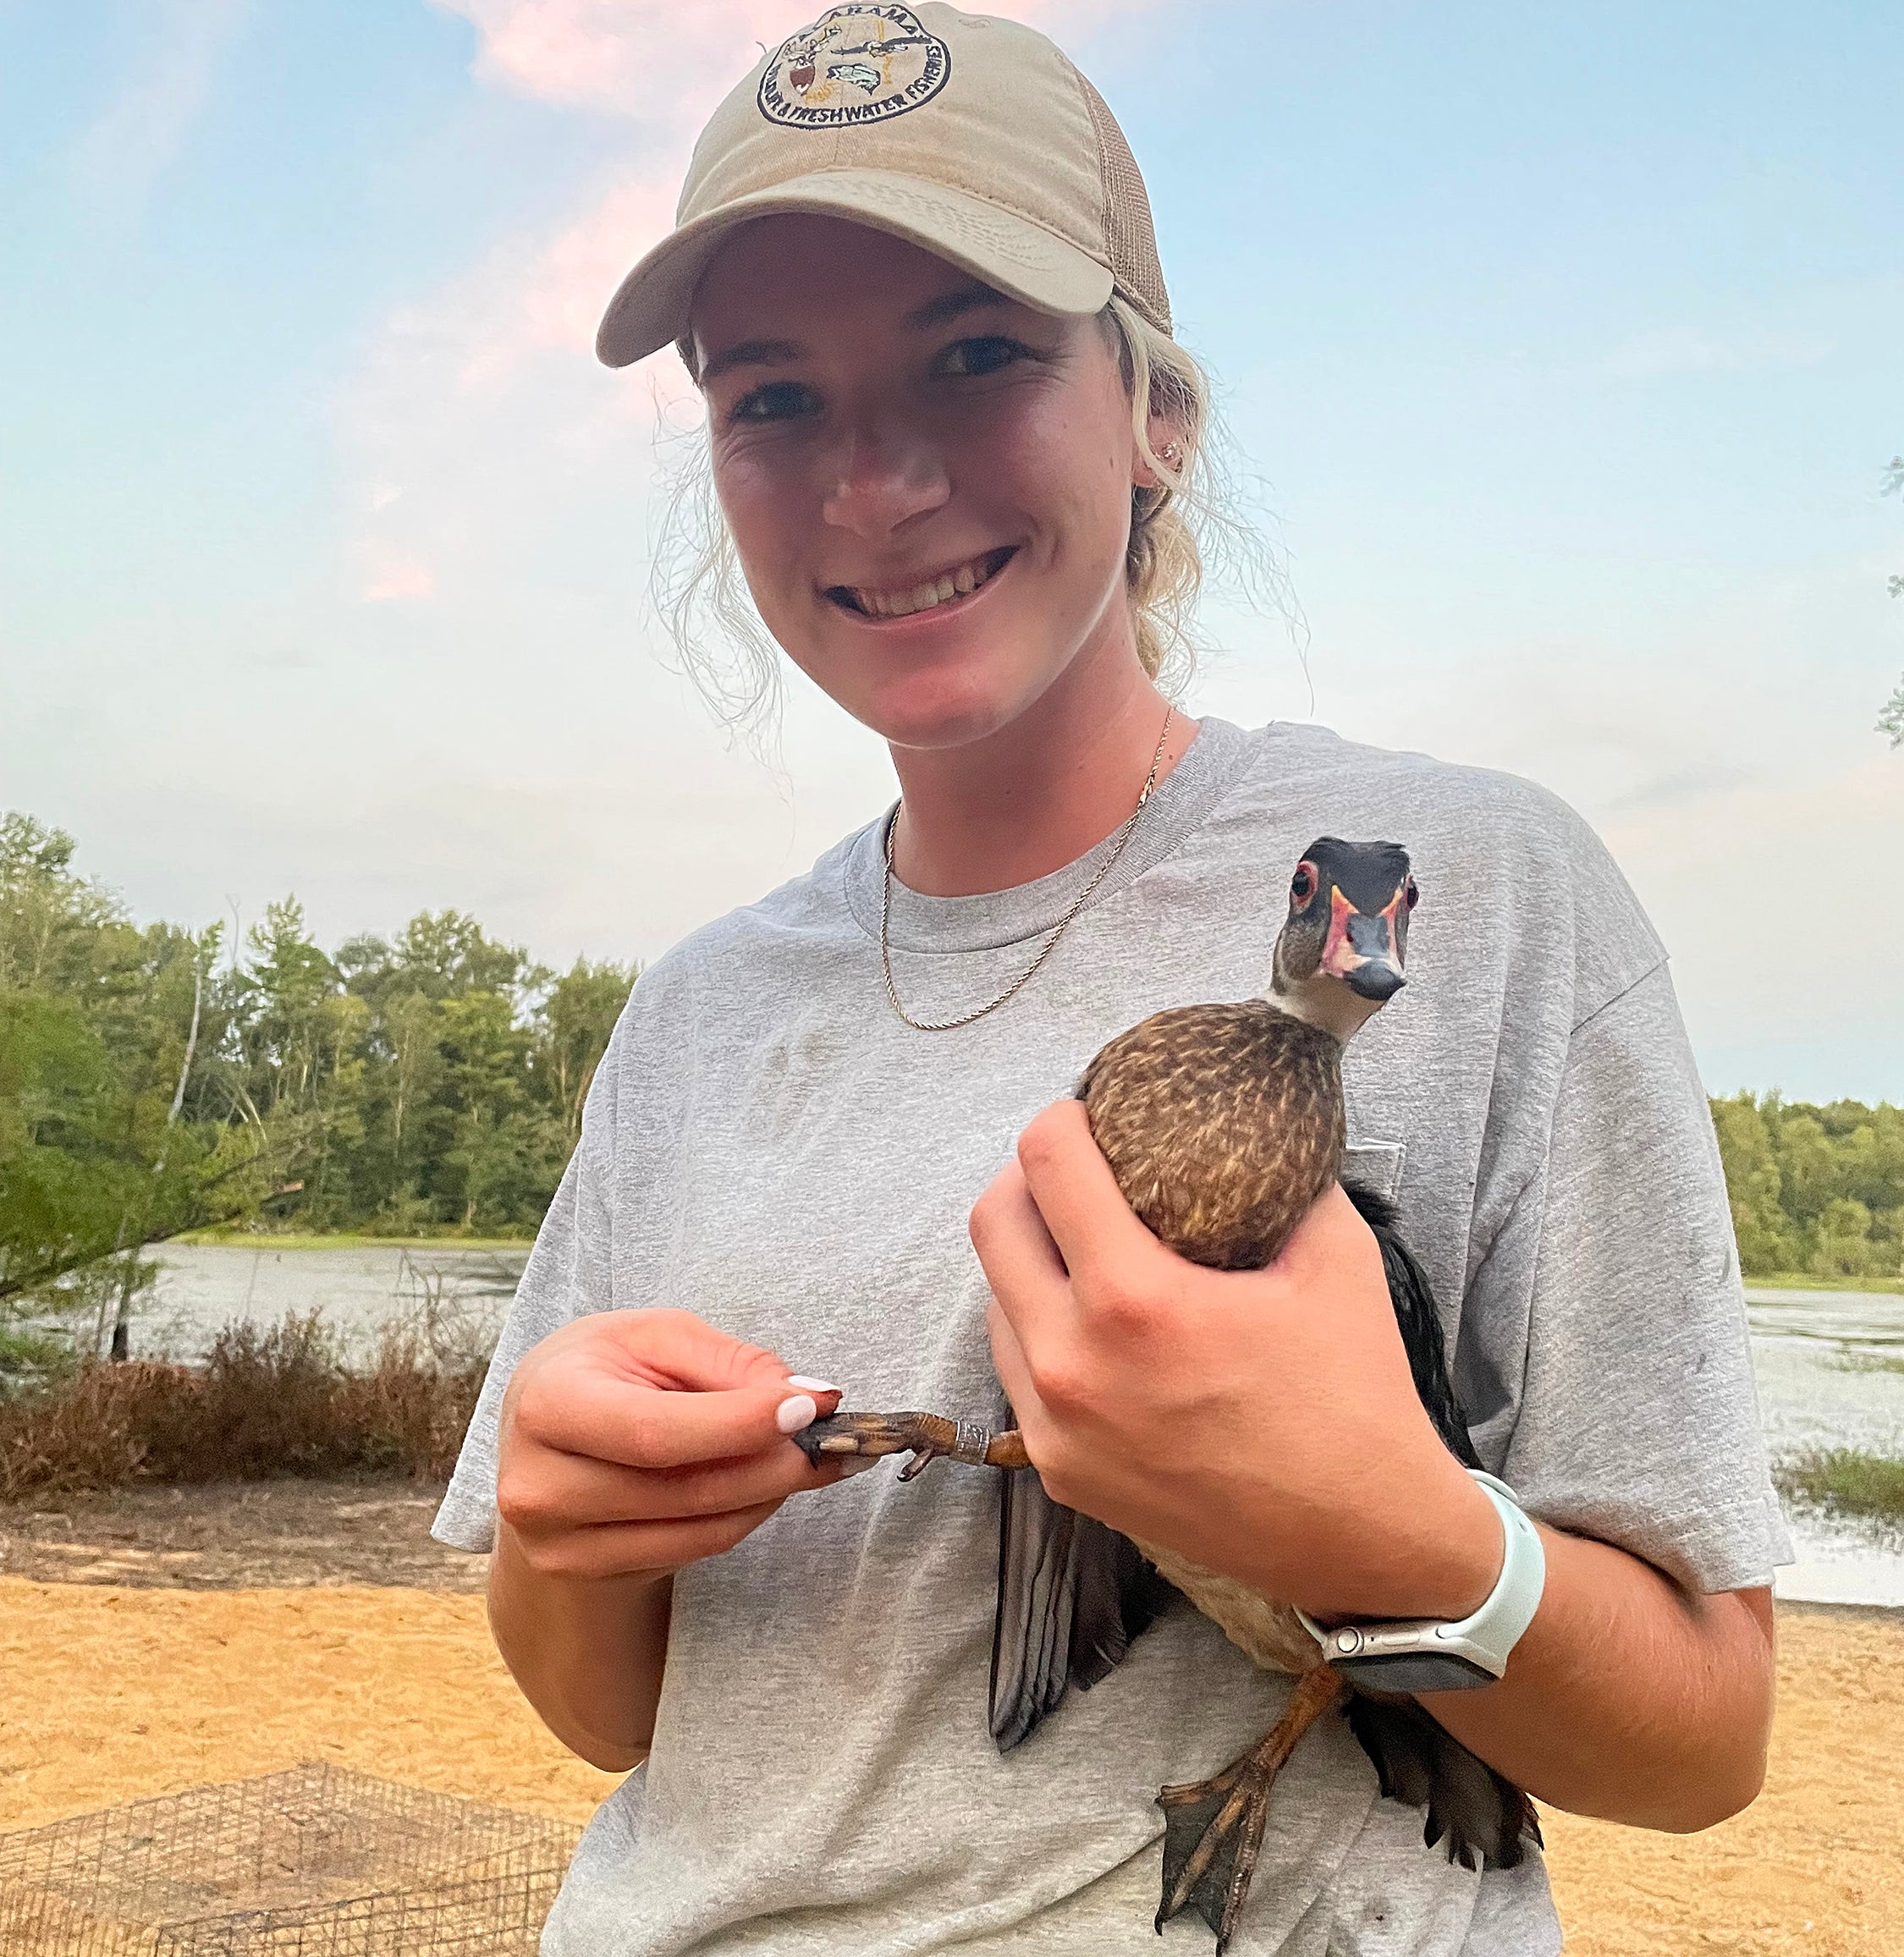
1303	885
1411	895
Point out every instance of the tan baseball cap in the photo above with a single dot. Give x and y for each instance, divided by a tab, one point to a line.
973	137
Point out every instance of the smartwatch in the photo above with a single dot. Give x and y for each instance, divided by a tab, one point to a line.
1427	1655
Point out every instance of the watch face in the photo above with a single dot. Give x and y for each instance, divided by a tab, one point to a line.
1414	1672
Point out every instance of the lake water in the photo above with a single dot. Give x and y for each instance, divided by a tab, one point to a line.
1816	1355
1820	1358
203	1286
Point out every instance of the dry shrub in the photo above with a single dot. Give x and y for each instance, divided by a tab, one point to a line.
265	1404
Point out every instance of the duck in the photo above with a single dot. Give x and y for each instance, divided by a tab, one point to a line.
1223	1124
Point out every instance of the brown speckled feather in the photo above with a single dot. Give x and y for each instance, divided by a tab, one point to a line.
1223	1125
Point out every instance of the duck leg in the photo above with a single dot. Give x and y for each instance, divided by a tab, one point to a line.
1213	1829
926	1437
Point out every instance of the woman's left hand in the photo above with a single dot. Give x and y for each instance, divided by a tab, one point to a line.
1262	1423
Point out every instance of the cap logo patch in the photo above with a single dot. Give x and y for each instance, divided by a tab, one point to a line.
854	65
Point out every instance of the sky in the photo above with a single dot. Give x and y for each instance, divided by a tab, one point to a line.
1562	346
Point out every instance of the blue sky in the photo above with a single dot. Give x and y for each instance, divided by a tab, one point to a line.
1565	341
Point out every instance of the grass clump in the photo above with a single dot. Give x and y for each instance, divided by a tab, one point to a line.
1849	1483
1861	1360
1871	1283
445	1238
266	1403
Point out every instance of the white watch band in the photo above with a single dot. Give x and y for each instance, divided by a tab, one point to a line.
1426	1655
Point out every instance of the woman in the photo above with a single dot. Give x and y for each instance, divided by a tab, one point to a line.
953	444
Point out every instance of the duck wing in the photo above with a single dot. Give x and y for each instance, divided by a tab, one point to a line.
1072	1595
1420	1325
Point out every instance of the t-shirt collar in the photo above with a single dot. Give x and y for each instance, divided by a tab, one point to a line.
1219	755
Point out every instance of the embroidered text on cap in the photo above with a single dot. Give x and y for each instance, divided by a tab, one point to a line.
854	65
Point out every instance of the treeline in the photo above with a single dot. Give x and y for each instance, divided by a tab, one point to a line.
155	1079
1818	1191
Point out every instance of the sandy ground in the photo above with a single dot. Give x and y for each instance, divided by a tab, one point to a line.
1815	1865
109	1693
238	1536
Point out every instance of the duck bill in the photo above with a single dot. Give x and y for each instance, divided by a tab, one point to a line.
1361	950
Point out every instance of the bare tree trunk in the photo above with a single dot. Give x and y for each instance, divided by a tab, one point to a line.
191	1049
574	1110
122	1318
129	1277
99	1329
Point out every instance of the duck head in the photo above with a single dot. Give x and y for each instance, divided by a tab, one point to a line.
1339	954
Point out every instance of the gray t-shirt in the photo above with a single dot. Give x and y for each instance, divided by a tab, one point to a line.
766	1146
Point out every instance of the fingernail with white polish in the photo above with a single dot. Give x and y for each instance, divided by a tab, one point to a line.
796	1413
800	1379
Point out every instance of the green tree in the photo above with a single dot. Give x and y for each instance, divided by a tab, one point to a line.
1842	1241
60	934
441	954
113	1133
1817	1188
503	1153
578	1013
433	1081
456	1133
1768	1241
63	1186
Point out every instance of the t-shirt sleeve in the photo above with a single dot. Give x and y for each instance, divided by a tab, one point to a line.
1638	1422
567	1274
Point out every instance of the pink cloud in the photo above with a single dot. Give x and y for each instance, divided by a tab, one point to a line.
551	297
482	403
388	578
658	60
669	64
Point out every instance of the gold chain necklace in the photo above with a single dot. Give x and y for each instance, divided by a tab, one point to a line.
1058	930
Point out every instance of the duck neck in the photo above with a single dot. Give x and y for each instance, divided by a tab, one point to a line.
1325	1003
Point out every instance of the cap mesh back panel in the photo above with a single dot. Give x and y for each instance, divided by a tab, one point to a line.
1129	233
316	1861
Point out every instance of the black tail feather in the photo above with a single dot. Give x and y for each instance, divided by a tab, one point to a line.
1484	1820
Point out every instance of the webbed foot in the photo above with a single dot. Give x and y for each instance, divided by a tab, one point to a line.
1213	1829
924	1436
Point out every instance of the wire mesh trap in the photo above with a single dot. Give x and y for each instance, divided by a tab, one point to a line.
314	1861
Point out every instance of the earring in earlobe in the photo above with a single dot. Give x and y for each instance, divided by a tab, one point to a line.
1170	453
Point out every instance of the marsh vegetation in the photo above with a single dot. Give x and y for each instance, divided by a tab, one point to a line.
1847	1484
266	1404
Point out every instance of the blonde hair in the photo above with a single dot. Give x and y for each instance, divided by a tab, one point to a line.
1164	560
699	590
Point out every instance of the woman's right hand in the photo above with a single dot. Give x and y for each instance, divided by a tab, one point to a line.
633	1443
